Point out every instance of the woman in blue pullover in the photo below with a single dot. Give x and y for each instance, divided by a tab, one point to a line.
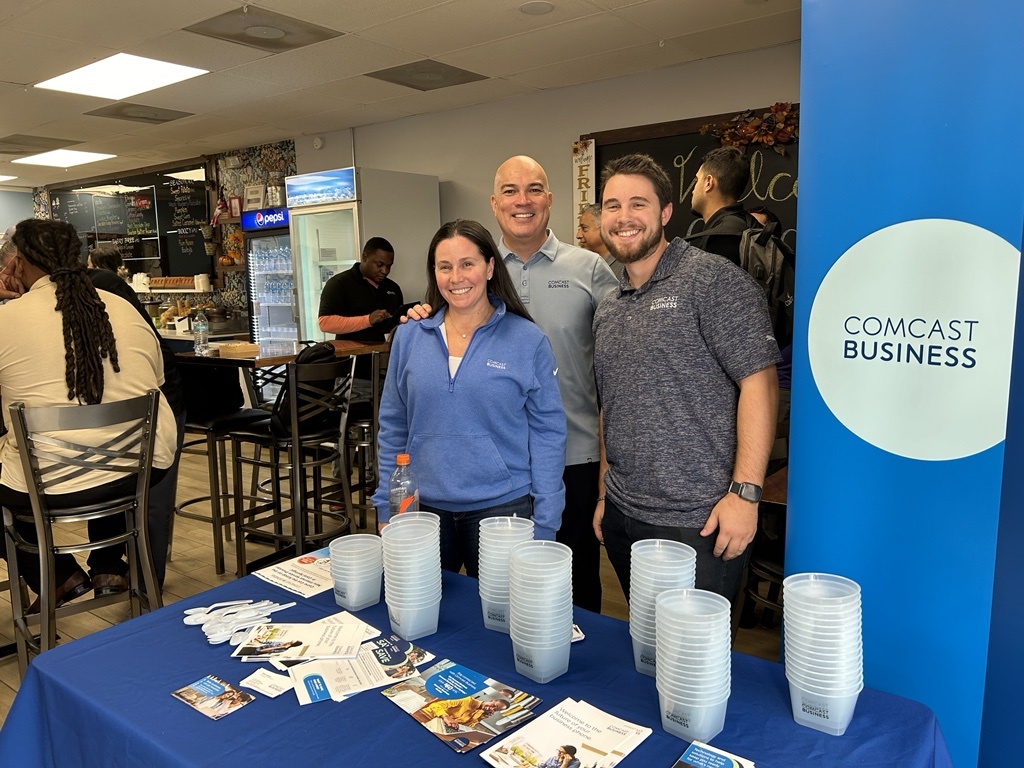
472	396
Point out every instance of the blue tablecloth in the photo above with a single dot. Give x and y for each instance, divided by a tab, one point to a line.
105	700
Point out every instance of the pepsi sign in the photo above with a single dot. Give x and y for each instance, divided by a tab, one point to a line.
268	218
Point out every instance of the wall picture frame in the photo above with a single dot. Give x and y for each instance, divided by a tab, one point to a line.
255	194
235	206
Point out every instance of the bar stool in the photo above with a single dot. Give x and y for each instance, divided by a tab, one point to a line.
360	453
301	440
49	461
213	412
765	568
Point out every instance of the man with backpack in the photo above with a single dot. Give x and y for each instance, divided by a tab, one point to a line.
749	239
720	182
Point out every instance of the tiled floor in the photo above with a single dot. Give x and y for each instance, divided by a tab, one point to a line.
191	571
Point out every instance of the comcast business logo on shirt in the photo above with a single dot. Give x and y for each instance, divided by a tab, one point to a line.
665	302
910	338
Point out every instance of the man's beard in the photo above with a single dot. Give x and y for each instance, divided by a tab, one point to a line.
640	250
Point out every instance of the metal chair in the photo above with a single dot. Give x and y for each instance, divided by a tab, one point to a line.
128	430
212	420
301	441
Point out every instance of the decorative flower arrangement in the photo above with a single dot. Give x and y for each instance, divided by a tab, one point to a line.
779	126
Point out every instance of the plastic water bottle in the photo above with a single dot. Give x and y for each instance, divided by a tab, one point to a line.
403	491
201	334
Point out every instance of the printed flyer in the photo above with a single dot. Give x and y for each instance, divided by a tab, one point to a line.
461	707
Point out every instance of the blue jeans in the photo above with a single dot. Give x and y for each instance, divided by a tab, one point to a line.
460	532
713	573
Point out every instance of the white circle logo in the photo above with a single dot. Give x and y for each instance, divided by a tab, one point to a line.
910	338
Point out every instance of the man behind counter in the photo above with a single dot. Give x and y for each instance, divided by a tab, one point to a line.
362	304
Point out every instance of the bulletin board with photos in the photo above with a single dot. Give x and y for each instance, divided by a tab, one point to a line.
678	147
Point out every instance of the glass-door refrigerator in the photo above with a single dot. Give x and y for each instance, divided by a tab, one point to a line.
268	252
334	212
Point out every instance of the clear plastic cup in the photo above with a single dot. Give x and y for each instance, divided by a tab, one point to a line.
692	722
496	614
692	604
645	657
541	665
825	713
411	623
825	589
354	595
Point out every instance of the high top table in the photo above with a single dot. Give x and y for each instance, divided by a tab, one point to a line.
106	700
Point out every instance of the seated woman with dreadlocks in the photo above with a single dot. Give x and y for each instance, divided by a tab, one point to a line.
61	343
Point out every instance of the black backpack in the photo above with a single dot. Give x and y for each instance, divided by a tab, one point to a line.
280	416
771	263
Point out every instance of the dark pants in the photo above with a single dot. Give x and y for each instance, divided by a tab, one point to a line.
460	532
713	573
161	507
108	560
577	533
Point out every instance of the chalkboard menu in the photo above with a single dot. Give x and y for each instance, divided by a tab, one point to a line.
679	147
155	221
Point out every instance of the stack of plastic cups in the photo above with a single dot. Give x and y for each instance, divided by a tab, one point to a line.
356	567
821	619
497	537
655	565
694	672
412	573
540	608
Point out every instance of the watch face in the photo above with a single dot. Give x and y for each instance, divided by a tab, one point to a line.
747	491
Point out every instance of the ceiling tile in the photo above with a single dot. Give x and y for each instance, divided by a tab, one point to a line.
362	89
192	50
672	18
323	62
189	127
745	36
461	96
114	23
601	66
550	45
293	104
465	23
30	58
250	137
208	93
350	15
336	120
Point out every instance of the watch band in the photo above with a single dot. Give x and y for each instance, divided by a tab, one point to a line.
746	491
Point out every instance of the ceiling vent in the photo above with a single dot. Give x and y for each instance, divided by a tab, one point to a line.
139	113
263	29
426	75
20	144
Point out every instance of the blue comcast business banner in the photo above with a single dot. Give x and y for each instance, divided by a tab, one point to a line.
910	220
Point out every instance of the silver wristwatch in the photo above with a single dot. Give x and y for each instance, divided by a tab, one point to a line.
746	491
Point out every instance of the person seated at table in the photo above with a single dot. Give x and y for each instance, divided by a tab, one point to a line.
472	396
105	267
64	345
363	304
107	256
10	287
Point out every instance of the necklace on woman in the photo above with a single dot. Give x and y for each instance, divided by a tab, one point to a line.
448	322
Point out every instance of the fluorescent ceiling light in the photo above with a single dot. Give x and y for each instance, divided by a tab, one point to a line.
120	76
8	178
111	189
196	174
63	158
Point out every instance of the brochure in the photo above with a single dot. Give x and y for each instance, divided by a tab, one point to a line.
320	640
700	755
383	661
571	731
213	697
461	707
305	575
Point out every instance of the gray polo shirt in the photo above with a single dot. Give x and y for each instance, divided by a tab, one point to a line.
668	356
561	286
